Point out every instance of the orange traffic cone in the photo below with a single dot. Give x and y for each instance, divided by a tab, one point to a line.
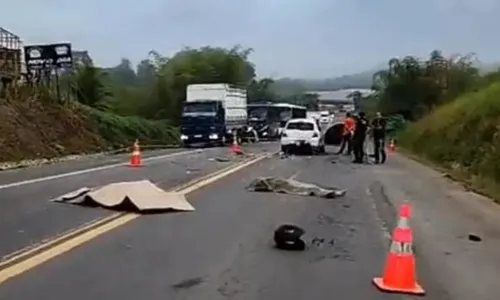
392	146
135	160
235	147
400	271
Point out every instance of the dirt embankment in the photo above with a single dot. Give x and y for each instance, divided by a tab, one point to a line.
33	129
36	128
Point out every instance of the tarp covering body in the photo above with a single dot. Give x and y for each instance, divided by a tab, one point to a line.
139	195
291	186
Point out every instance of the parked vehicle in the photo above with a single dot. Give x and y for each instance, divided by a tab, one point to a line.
302	134
289	112
268	118
325	118
213	114
264	118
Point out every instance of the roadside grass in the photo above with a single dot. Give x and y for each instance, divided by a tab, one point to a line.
462	138
117	129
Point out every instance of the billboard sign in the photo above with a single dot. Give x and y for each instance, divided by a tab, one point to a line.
48	56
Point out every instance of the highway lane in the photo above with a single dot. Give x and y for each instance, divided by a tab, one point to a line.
16	175
223	250
27	217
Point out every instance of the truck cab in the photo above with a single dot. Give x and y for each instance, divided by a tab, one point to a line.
212	114
203	121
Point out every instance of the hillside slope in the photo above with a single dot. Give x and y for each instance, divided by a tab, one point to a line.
38	128
463	136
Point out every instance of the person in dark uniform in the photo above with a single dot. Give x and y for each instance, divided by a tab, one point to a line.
358	138
378	129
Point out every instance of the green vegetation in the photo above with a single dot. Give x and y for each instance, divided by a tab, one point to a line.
156	90
108	108
101	109
116	129
455	115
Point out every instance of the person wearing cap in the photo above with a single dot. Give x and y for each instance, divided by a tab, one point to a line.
349	125
378	130
358	138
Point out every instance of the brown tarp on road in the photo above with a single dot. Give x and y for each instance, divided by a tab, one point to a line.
142	196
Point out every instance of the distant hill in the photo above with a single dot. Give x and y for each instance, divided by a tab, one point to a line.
362	80
296	85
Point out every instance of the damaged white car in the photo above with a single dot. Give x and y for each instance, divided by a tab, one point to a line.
302	134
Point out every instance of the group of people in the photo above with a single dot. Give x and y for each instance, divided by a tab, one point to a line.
356	129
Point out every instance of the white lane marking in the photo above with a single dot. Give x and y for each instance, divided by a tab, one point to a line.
90	170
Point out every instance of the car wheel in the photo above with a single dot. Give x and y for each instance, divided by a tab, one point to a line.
254	137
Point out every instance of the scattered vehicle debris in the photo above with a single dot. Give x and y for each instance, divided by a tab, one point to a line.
318	242
474	238
139	196
222	159
288	237
291	186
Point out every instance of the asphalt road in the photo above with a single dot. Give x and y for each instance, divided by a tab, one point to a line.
15	175
224	249
27	216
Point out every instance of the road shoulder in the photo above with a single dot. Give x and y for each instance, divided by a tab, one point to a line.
444	216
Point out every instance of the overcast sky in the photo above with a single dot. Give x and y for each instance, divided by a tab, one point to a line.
295	38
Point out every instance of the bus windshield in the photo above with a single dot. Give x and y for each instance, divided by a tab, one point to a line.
276	112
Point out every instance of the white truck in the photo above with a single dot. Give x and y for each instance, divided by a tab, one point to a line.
213	114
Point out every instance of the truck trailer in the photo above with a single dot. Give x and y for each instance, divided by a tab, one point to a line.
213	114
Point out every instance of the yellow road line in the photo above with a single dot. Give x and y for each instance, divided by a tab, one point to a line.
82	235
48	243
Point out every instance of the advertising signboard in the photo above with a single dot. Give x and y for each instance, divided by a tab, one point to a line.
48	56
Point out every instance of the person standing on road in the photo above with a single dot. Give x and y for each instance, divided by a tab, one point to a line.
378	129
349	125
358	138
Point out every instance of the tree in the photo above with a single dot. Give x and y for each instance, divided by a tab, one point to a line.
88	86
261	90
145	72
158	88
123	73
204	65
412	88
